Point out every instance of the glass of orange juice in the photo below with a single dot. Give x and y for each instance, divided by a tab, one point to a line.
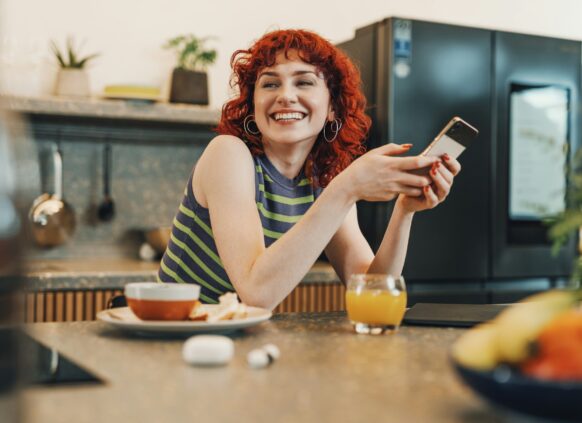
375	302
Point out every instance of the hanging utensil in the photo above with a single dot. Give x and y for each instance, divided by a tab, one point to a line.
52	218
106	210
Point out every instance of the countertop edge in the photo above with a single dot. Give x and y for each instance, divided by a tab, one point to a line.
116	280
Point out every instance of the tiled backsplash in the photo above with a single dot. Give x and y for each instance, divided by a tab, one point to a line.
147	183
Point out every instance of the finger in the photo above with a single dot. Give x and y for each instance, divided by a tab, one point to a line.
414	180
452	164
390	149
410	191
446	174
417	162
430	198
441	185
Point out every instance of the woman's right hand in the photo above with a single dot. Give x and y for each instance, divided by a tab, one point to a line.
378	176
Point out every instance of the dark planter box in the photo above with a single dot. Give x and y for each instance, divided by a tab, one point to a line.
189	87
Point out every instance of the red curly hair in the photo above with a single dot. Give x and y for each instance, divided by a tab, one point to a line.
326	160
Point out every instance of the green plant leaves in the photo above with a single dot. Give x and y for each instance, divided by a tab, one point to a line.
71	52
208	57
58	55
83	62
191	54
568	223
563	226
70	58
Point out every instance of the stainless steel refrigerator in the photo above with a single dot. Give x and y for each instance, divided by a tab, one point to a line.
416	76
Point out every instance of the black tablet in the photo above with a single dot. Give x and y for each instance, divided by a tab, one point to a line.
456	315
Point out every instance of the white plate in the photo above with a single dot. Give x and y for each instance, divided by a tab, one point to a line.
123	318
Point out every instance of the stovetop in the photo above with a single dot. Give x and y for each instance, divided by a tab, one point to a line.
46	366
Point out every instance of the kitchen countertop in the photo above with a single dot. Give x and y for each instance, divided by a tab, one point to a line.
326	373
114	109
54	275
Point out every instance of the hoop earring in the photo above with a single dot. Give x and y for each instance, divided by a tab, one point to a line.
247	125
334	127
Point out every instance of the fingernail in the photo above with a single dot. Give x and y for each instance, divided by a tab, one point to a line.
433	171
437	164
446	156
425	188
405	145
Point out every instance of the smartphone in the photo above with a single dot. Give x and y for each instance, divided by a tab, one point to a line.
453	139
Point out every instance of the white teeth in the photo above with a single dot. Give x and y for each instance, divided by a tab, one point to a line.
288	116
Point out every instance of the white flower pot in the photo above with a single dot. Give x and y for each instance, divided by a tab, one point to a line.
72	83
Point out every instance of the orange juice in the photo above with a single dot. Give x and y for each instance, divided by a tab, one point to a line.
376	306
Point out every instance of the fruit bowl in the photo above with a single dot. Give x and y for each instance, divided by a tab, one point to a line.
506	387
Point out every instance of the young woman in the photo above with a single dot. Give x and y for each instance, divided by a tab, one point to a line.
280	183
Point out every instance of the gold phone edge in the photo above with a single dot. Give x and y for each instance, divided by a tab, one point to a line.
451	122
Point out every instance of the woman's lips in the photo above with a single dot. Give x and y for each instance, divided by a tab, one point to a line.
287	116
287	122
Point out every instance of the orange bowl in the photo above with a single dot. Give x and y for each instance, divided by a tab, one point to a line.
161	301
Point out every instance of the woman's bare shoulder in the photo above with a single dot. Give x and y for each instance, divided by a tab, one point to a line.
226	162
225	150
227	143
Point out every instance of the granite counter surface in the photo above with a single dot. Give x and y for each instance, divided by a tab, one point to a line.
113	109
55	275
325	373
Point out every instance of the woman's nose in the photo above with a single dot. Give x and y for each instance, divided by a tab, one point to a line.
287	94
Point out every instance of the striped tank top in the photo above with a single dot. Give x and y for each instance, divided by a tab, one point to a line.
191	255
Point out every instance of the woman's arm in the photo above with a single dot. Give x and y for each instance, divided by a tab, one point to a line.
350	253
261	276
392	251
347	251
264	276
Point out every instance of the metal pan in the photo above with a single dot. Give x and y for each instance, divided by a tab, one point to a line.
52	218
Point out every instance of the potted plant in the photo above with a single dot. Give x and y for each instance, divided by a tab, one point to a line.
569	222
72	79
189	79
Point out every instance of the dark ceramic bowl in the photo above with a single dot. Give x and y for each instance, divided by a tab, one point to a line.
506	387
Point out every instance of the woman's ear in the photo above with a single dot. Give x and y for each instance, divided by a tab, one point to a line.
330	114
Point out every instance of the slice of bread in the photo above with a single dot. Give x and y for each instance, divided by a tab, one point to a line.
198	313
223	312
227	309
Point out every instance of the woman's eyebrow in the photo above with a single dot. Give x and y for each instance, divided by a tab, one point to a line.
267	73
303	72
298	72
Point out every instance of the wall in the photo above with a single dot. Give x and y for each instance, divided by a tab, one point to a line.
129	33
147	186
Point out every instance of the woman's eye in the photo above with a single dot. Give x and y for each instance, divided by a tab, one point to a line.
269	84
305	82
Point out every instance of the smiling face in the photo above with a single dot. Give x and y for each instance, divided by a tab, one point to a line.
292	102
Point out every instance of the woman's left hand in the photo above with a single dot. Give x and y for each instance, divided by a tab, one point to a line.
442	174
